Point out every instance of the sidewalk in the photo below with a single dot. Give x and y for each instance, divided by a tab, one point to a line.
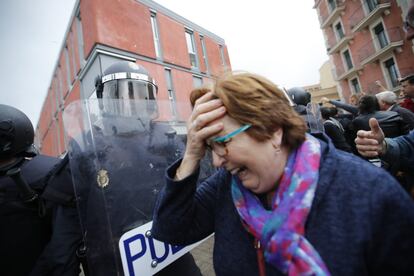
203	255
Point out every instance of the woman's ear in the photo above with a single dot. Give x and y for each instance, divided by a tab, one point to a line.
276	139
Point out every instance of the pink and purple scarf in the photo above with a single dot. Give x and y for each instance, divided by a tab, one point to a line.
281	230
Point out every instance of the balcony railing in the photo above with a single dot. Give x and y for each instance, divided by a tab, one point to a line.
342	73
379	47
364	15
329	13
335	46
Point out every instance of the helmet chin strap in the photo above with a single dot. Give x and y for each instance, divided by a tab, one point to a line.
11	168
7	164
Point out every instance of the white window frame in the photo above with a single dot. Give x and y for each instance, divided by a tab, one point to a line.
365	7
171	92
222	57
385	71
190	42
329	7
334	29
79	32
351	86
71	37
373	35
344	60
67	61
204	51
156	34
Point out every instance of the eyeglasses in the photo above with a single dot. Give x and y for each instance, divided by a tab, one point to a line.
218	144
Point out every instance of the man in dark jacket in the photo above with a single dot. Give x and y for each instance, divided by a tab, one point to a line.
389	121
388	102
334	129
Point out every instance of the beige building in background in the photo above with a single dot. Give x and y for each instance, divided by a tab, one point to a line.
326	86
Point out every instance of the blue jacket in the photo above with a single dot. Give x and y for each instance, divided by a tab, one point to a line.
361	221
400	152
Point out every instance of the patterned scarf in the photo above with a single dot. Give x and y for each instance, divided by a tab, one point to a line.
281	230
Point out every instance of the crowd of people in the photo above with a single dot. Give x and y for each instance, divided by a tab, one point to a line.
285	198
387	111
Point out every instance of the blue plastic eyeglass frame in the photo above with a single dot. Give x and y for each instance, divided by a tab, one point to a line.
231	134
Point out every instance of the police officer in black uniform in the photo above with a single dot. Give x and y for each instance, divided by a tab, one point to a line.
26	217
301	98
308	111
118	164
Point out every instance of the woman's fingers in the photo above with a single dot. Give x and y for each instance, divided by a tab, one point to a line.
205	118
205	103
201	125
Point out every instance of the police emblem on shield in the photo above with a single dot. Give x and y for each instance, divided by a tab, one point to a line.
102	178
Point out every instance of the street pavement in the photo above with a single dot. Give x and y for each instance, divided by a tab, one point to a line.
203	256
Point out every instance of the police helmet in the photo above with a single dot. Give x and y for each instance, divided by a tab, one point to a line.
16	133
299	95
126	80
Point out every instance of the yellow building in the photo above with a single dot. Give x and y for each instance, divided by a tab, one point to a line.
326	86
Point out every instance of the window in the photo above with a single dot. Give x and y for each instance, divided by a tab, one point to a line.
60	85
331	5
391	71
339	31
80	39
355	88
223	61
58	90
371	5
155	35
75	73
171	93
197	81
203	48
380	37
58	149
67	67
348	60
189	37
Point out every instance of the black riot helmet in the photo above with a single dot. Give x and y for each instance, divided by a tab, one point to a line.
16	133
127	83
299	95
126	80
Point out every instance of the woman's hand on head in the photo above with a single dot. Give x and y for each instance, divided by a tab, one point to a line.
206	110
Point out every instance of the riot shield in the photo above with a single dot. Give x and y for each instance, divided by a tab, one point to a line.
314	118
119	150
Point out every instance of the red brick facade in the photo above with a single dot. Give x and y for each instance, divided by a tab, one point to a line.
123	28
372	33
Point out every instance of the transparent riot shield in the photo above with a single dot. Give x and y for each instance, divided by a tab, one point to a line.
119	150
314	118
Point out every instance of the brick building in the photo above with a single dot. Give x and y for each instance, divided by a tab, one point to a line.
178	54
365	42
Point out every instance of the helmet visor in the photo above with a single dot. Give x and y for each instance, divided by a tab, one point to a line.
129	89
125	97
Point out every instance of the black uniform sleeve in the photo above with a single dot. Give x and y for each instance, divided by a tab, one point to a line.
347	107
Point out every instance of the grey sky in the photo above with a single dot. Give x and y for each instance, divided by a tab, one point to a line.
278	39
